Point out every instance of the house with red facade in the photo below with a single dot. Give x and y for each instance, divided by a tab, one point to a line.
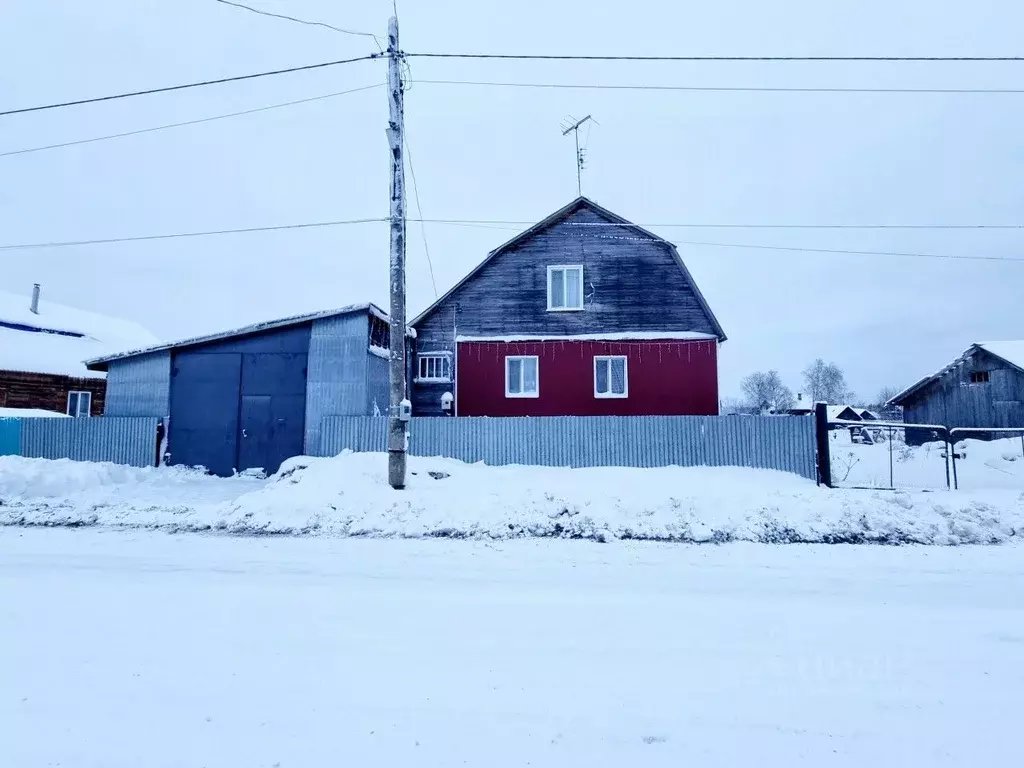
582	314
43	348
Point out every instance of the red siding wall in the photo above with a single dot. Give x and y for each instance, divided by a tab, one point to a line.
675	378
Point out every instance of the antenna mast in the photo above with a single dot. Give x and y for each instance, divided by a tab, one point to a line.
575	128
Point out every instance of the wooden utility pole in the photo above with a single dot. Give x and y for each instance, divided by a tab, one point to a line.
399	408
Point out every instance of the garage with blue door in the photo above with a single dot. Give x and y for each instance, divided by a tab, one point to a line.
240	404
252	397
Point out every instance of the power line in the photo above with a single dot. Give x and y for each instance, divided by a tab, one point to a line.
303	21
140	238
848	252
312	225
694	225
419	210
187	122
182	87
719	89
574	57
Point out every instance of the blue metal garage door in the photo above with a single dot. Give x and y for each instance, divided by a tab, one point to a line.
205	389
240	404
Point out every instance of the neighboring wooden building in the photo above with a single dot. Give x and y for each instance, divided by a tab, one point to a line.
984	387
582	314
43	347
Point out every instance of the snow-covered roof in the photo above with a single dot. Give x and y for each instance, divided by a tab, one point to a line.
30	413
631	336
835	410
1010	351
59	339
100	362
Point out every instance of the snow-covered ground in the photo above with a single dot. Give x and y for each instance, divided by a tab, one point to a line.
126	649
996	464
349	496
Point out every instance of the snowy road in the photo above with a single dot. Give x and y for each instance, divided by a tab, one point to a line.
147	649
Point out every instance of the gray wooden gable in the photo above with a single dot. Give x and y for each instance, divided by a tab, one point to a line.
633	281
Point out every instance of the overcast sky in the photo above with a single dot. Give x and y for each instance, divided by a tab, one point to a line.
497	153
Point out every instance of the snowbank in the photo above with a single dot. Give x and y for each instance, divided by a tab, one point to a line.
348	496
30	413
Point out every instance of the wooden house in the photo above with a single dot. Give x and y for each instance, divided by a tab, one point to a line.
983	387
43	347
583	313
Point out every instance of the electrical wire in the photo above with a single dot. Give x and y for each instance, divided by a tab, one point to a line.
575	57
187	122
184	86
694	225
302	21
719	89
419	210
311	225
141	238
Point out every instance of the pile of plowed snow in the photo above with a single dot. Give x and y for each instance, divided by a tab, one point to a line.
348	495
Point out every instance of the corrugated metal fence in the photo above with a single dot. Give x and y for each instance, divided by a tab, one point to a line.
130	440
769	442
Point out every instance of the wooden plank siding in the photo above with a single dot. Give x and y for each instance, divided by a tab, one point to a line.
952	400
48	391
632	282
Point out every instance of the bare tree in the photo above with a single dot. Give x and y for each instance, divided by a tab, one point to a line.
885	394
765	390
826	381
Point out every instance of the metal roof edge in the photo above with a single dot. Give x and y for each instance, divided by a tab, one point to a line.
100	363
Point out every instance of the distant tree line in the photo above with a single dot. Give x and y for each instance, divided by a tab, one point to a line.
765	391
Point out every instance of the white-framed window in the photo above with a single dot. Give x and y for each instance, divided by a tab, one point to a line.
522	376
434	366
611	376
565	288
79	404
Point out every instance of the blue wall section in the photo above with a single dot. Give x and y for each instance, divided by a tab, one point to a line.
238	403
10	437
378	379
139	386
337	384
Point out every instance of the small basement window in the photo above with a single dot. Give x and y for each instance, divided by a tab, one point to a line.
565	288
80	404
434	367
521	376
979	377
610	377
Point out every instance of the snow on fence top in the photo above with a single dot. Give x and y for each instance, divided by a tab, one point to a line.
59	339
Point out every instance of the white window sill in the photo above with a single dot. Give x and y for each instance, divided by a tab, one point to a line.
431	381
565	309
520	396
610	396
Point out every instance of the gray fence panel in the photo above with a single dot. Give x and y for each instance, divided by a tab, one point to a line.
783	443
121	440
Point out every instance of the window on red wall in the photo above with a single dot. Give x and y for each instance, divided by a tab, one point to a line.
521	376
611	376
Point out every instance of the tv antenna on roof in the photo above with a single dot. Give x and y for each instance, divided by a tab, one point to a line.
572	124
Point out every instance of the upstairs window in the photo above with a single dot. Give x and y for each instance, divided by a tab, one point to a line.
979	377
565	288
79	403
434	367
521	378
610	377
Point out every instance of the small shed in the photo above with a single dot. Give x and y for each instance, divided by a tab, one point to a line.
983	387
255	396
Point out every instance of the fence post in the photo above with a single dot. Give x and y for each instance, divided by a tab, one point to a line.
821	436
